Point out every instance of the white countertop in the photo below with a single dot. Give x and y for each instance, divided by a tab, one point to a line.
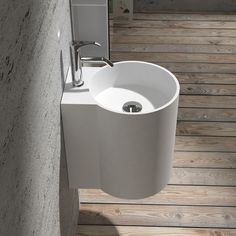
79	95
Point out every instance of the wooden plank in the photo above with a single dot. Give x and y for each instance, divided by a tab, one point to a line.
205	159
184	6
199	67
173	32
175	57
170	195
205	144
154	24
157	39
204	78
157	215
207	114
217	16
206	89
206	128
182	48
207	101
203	176
186	67
98	230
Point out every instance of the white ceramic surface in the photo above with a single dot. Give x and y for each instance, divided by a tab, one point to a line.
128	155
149	84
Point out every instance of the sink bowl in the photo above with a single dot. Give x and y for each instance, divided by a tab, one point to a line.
120	129
150	85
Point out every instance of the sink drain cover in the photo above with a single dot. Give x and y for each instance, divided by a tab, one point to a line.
132	107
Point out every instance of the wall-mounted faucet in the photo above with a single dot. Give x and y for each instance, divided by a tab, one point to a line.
77	60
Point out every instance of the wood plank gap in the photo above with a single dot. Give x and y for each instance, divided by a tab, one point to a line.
203	185
215	108
160	24
173	52
208	121
180	48
205	135
178	40
160	227
205	151
204	168
207	94
201	13
156	204
230	33
202	84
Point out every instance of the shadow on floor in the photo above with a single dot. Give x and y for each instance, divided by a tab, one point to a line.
92	223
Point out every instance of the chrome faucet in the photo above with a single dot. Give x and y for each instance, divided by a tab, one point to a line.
77	60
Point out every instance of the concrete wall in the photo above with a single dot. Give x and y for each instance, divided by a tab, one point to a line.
184	5
34	57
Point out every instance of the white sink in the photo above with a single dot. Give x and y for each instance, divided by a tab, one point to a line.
126	151
152	86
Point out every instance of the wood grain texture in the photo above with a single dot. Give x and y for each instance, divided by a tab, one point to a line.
192	67
185	16
175	57
205	144
205	159
155	24
98	230
207	114
157	215
169	39
174	32
206	128
170	195
198	67
206	78
208	89
203	176
174	48
207	101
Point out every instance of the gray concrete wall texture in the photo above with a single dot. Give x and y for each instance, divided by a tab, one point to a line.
184	5
34	57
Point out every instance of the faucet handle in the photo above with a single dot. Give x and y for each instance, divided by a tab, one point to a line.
97	59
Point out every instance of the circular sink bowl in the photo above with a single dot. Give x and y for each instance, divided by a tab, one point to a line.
136	123
151	86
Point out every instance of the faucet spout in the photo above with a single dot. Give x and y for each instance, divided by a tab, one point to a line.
97	59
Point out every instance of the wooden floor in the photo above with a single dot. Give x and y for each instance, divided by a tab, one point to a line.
201	196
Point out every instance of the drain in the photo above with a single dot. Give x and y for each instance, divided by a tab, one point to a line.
132	107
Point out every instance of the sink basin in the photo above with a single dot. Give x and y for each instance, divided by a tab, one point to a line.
152	86
120	129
